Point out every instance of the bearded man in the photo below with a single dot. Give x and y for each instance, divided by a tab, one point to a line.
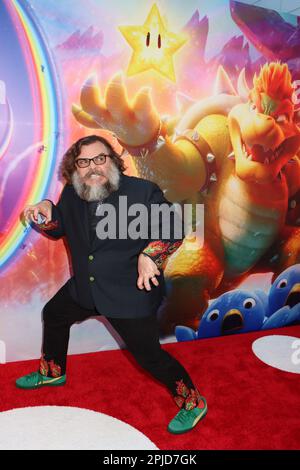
119	278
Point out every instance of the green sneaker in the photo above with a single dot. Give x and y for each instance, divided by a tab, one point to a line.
37	380
185	420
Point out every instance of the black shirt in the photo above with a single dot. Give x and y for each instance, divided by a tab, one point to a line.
93	219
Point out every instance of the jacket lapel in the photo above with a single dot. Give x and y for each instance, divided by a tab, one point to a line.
113	199
84	220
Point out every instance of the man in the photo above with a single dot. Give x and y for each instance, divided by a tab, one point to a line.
120	278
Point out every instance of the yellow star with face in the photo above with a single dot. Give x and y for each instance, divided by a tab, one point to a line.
153	45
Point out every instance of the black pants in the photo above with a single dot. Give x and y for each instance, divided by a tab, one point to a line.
140	335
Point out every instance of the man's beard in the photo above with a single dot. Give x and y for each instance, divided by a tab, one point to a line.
96	191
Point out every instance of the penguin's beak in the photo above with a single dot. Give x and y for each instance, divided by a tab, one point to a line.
294	296
232	321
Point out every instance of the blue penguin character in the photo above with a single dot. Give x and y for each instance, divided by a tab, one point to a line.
284	299
235	311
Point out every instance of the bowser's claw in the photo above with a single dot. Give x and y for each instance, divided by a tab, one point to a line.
134	125
90	97
84	118
116	100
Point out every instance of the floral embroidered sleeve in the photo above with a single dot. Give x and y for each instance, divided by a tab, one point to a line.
159	250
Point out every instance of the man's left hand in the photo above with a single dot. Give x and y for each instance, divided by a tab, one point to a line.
147	270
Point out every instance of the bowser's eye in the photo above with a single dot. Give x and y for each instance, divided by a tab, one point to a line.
252	106
281	118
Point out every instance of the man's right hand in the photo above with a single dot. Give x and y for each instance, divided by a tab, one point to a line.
31	212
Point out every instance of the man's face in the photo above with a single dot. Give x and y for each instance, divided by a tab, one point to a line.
96	182
94	174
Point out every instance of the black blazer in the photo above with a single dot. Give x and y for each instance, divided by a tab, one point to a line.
105	271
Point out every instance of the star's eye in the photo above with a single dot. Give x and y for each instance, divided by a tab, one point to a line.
213	315
282	284
249	303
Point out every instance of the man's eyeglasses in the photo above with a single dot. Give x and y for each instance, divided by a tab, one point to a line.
85	162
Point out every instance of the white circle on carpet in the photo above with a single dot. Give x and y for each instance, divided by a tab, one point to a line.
64	427
279	351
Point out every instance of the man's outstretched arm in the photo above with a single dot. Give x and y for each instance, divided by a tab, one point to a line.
53	225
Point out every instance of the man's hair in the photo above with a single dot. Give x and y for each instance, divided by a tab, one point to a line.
67	165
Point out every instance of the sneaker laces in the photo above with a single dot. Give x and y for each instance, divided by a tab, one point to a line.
29	376
183	415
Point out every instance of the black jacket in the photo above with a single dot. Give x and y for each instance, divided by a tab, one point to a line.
105	271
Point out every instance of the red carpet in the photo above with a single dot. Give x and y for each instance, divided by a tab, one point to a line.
251	405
